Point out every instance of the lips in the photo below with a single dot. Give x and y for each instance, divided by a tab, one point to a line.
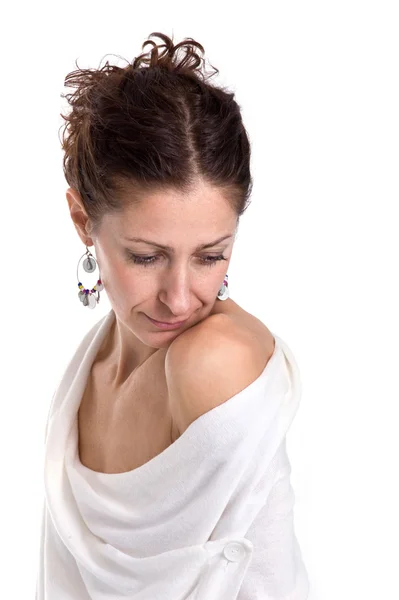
165	325
169	322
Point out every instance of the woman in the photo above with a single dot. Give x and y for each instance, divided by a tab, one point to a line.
166	473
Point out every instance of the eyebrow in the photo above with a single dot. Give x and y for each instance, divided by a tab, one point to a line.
200	247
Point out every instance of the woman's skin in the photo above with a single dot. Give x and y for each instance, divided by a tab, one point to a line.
177	286
132	408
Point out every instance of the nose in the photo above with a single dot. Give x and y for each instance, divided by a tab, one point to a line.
175	293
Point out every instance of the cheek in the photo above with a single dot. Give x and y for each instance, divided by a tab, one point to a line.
116	277
131	285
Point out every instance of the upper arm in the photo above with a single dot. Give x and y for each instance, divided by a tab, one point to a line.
210	365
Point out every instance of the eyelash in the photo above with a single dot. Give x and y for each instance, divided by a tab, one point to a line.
146	261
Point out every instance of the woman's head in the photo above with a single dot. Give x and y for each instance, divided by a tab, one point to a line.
154	151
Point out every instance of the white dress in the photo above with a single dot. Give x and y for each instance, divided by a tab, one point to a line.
210	518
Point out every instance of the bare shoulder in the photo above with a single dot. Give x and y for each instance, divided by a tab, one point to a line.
214	361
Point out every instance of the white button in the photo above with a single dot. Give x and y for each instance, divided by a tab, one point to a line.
234	552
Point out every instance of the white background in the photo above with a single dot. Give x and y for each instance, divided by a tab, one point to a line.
316	258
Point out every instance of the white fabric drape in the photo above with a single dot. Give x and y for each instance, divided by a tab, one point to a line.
210	518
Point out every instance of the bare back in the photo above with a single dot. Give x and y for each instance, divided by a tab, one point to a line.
119	434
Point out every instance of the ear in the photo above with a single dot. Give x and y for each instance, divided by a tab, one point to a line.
79	216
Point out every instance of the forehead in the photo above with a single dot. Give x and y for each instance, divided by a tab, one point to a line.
203	207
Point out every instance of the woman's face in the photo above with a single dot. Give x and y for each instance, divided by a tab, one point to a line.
174	283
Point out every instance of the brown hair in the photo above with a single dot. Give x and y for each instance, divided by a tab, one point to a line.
145	128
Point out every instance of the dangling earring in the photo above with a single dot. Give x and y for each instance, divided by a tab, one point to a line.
86	296
223	293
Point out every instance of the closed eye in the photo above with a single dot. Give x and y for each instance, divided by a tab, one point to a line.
150	260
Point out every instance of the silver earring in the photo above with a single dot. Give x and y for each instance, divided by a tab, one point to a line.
223	293
86	296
